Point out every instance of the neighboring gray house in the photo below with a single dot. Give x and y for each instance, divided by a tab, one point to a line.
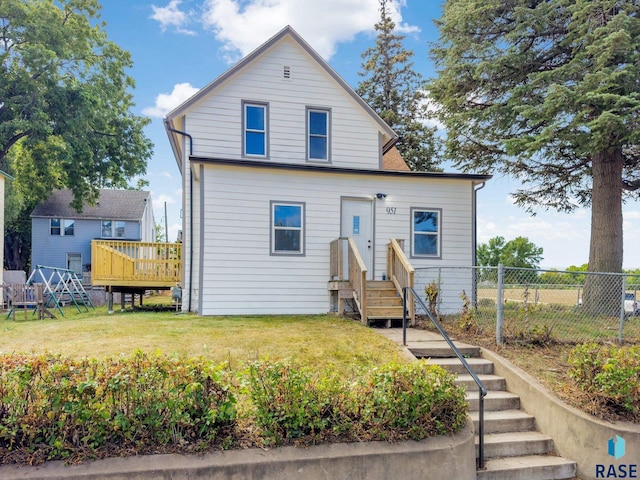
61	236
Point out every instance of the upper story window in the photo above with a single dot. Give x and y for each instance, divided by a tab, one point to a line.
62	226
426	232
318	128
112	229
255	129
287	228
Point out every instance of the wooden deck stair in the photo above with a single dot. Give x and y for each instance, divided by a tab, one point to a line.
383	301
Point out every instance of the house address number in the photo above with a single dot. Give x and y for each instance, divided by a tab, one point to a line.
391	210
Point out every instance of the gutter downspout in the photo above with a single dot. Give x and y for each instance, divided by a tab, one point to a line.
474	255
179	132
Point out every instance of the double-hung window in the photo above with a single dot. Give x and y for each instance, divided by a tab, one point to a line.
425	232
112	228
287	228
318	129
255	129
62	226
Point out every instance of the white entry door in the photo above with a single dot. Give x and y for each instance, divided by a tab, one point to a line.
357	223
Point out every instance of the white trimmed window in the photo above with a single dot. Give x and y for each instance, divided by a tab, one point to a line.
112	229
254	129
287	228
318	129
425	232
62	226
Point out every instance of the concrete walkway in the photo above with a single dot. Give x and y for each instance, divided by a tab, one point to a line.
419	340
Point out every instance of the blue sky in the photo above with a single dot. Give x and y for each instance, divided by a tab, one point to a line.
179	46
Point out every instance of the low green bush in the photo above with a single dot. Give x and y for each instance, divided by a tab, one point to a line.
58	408
610	374
55	408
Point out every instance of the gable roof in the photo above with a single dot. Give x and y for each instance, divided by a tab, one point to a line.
392	160
111	205
288	31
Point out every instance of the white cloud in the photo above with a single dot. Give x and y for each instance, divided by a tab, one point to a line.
166	174
242	26
172	16
165	102
159	201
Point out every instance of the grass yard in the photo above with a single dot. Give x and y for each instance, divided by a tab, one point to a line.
317	341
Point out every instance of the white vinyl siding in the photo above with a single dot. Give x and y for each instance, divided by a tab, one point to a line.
216	122
241	277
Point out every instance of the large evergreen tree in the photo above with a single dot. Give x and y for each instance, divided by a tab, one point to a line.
65	102
396	92
547	91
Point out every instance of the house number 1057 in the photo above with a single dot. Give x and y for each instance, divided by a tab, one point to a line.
391	210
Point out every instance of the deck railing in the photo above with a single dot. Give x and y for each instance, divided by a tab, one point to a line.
358	279
337	249
145	264
401	272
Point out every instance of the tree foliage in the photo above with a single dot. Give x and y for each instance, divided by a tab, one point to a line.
519	253
65	107
396	92
547	91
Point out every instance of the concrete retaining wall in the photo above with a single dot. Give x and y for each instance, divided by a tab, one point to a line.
576	435
440	458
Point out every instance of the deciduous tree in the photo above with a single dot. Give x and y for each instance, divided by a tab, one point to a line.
65	103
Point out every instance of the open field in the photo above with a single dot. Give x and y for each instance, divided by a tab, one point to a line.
319	340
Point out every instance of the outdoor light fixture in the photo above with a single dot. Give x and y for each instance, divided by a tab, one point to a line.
380	196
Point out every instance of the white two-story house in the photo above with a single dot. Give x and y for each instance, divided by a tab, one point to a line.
282	163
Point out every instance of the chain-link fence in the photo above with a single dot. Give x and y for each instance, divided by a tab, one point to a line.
520	303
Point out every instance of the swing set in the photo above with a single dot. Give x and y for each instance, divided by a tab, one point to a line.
59	286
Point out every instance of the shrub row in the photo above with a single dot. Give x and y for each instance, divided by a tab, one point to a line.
609	374
59	408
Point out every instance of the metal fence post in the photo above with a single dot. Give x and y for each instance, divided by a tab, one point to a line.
500	304
622	312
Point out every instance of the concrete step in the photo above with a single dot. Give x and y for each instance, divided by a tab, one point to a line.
538	467
515	444
494	401
505	421
491	382
453	365
441	349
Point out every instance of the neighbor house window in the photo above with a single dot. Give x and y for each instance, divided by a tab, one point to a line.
425	232
74	262
112	229
62	226
318	127
255	129
287	228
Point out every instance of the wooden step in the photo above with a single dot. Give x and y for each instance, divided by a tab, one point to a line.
529	467
384	312
384	301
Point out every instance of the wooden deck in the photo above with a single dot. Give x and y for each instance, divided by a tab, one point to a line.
136	264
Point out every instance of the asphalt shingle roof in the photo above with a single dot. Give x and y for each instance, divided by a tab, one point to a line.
112	204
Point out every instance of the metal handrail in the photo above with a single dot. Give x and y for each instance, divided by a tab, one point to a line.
474	376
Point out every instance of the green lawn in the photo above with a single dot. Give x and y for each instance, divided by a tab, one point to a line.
318	340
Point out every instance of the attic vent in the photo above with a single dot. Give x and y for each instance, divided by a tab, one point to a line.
287	72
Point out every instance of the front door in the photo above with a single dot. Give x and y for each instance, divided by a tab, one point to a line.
357	223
